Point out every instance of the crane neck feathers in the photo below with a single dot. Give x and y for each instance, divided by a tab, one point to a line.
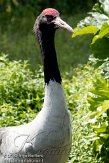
46	40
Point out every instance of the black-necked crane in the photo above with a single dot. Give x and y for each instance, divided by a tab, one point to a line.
48	137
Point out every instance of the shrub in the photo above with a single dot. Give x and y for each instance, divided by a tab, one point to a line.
77	90
88	100
97	23
98	97
99	116
20	92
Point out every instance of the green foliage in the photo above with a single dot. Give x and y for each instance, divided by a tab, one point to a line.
86	87
88	100
101	48
20	92
87	95
98	16
77	92
98	25
99	116
104	31
86	30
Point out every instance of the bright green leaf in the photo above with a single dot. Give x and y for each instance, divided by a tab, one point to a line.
104	135
100	129
103	32
86	30
104	108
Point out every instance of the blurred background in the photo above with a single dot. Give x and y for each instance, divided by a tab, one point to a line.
17	18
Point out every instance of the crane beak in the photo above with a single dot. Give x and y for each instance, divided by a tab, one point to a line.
62	24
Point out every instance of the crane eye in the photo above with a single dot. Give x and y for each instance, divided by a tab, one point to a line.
49	18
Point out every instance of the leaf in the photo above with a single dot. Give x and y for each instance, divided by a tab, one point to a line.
100	110
86	30
101	48
105	107
94	138
103	32
98	16
105	136
100	129
105	6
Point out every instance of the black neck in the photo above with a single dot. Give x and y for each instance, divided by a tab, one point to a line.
51	70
